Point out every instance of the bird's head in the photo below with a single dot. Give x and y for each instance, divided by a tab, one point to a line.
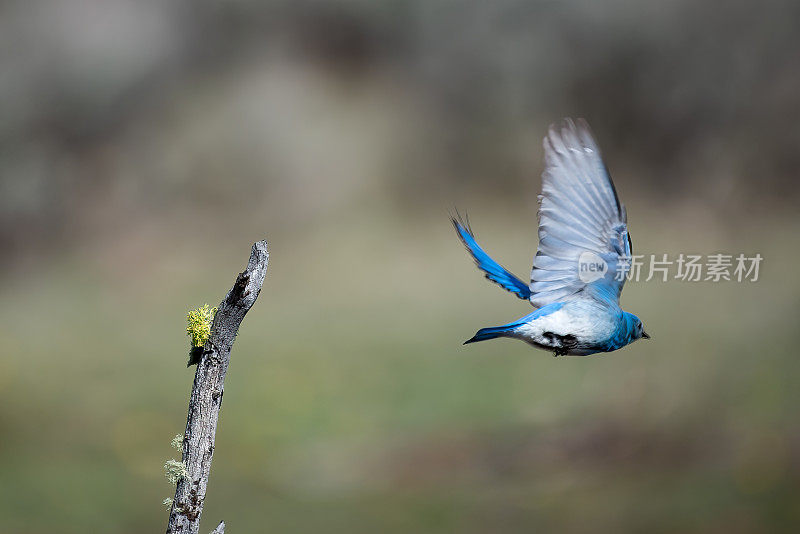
634	327
637	328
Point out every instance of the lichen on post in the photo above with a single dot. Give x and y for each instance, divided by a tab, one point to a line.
198	329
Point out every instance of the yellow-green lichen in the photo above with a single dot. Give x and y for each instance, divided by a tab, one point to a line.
174	471
199	325
177	442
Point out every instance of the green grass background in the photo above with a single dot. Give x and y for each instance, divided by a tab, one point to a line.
351	405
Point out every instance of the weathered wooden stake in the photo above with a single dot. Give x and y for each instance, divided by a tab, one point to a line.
206	398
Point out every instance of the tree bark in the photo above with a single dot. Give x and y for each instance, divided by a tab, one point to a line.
206	397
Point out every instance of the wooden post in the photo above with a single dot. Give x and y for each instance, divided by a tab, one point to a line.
206	397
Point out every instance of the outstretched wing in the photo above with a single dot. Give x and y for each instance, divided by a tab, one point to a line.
584	247
491	268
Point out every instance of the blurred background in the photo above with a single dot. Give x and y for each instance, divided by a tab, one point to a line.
144	145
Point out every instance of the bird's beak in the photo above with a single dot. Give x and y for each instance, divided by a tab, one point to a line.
645	335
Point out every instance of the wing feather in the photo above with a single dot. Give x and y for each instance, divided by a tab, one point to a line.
579	211
492	270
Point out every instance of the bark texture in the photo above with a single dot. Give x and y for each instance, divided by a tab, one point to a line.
206	398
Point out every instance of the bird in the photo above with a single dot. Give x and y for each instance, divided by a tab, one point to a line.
582	259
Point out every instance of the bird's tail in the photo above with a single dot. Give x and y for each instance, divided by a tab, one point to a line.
492	332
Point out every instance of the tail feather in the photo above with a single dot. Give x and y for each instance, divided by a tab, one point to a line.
490	333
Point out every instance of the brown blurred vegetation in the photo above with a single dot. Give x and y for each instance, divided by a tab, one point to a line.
139	107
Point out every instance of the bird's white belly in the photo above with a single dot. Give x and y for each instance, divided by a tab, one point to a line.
574	329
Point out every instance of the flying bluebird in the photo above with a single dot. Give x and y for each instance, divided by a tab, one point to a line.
584	254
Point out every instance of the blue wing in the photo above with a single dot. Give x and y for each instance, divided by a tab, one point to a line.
581	222
493	270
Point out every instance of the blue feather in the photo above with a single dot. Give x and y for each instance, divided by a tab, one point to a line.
499	331
493	270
